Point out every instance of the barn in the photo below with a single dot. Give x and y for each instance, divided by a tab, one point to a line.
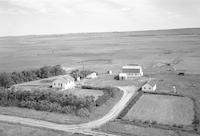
150	86
132	71
66	82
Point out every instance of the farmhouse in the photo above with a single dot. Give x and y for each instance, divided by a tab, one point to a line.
66	82
92	75
131	71
150	86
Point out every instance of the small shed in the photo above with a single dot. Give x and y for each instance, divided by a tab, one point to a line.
92	75
65	82
150	86
109	72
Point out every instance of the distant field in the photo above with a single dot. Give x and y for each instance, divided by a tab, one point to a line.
162	109
102	51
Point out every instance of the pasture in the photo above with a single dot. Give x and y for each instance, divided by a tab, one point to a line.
102	51
162	109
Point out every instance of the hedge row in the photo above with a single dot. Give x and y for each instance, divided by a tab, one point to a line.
108	92
47	101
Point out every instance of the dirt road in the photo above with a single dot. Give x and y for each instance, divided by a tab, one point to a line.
84	128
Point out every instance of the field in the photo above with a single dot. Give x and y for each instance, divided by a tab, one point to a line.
163	109
132	130
7	129
108	80
102	51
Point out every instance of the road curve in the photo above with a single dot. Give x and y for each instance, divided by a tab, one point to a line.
85	128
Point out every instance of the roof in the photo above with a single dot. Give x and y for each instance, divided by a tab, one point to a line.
65	78
92	74
133	66
151	82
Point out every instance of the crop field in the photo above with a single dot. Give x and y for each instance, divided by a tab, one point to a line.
163	109
102	51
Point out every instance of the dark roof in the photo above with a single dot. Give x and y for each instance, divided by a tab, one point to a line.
152	82
131	70
133	65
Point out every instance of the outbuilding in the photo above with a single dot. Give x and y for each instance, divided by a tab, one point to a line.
132	71
150	86
92	75
65	82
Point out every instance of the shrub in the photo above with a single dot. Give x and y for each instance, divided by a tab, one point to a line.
83	112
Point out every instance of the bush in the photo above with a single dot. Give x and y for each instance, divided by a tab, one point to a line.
83	112
81	74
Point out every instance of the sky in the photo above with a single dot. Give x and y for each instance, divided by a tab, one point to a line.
34	17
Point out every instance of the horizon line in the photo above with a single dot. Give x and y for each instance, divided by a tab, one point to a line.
58	34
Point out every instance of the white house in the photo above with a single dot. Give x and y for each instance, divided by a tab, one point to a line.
92	75
150	86
66	82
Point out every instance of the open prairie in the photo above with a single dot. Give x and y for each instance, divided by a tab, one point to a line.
102	51
162	109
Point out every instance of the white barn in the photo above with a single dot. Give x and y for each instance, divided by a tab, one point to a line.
131	71
66	82
150	86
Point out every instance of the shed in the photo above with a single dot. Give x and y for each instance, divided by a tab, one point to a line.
92	75
150	86
65	82
109	72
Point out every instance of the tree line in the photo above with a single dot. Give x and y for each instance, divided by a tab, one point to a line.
80	73
9	79
50	101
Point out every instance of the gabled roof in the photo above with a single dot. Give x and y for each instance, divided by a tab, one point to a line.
65	78
152	82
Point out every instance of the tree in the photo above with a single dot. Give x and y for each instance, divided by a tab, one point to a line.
6	80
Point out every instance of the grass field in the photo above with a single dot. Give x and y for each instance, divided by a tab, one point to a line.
7	129
102	51
163	109
108	80
132	130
